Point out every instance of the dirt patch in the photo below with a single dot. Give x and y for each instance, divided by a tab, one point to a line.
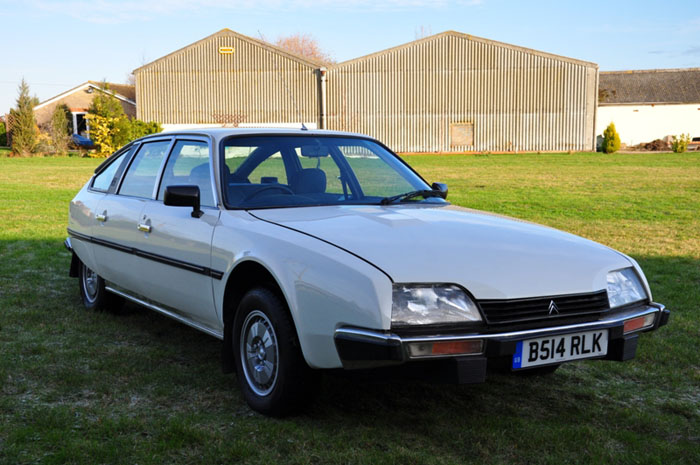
655	145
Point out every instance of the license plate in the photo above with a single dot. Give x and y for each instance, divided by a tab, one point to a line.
557	349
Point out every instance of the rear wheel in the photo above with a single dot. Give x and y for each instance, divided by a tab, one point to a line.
93	292
273	375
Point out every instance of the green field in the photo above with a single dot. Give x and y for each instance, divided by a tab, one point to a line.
86	388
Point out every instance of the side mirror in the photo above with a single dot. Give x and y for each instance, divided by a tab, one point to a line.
441	187
183	196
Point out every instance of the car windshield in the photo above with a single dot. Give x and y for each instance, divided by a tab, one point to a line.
293	171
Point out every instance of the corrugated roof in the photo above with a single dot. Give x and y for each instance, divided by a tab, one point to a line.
228	32
649	86
468	37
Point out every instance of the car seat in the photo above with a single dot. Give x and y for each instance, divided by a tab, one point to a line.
309	181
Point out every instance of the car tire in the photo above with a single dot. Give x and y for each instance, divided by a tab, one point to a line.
93	292
273	375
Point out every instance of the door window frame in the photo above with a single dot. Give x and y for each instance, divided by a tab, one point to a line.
159	173
210	146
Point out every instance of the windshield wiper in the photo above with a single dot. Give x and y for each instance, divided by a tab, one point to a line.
410	195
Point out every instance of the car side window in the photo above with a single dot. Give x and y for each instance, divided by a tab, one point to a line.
189	164
105	179
140	178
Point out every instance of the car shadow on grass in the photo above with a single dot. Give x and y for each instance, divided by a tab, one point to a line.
675	281
153	375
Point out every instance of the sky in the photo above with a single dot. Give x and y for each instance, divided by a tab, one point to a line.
56	45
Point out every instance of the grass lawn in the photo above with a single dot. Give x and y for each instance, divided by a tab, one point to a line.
85	388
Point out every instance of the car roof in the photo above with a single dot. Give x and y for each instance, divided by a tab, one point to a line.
218	133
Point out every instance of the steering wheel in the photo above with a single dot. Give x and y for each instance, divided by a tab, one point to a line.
267	188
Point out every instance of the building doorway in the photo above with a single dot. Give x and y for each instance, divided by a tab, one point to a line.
80	124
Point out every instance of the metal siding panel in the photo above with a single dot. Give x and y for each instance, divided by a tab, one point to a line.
199	85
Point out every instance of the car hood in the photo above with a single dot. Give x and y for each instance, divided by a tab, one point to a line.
492	256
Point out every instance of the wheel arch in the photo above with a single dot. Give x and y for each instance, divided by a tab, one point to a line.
243	277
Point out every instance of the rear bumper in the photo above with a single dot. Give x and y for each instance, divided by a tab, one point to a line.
363	348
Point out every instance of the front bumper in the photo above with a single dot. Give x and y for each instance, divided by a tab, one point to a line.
363	348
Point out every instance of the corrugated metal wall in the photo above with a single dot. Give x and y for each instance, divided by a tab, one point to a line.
516	99
254	84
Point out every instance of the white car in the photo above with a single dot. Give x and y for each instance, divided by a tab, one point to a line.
307	250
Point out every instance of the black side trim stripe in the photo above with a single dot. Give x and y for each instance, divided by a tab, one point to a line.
194	268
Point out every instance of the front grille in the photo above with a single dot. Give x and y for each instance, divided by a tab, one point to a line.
499	312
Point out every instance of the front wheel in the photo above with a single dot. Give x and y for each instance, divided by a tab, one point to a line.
93	292
273	375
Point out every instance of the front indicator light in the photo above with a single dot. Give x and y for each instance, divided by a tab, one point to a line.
433	349
640	322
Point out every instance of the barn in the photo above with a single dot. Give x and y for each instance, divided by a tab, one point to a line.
650	104
449	92
455	92
228	78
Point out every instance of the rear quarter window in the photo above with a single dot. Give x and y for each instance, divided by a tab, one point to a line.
106	179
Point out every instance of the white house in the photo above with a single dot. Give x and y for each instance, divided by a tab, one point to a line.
649	104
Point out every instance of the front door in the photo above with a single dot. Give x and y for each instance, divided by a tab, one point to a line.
179	245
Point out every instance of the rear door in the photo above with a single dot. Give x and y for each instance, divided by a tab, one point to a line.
179	273
116	235
84	214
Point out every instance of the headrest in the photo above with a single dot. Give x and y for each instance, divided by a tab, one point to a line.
199	172
199	176
309	181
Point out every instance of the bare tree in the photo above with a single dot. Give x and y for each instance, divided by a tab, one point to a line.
423	31
130	78
305	45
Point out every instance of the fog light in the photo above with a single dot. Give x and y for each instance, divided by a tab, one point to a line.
432	349
639	323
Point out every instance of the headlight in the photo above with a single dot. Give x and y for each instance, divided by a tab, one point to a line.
431	304
624	287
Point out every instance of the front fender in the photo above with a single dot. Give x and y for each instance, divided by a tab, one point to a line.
325	287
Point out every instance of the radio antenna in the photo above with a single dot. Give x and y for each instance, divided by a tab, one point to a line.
281	78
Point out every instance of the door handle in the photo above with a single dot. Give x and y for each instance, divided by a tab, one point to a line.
101	218
144	227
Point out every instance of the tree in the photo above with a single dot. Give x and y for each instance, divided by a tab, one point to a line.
423	32
680	143
24	129
110	128
305	45
3	133
611	139
59	129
